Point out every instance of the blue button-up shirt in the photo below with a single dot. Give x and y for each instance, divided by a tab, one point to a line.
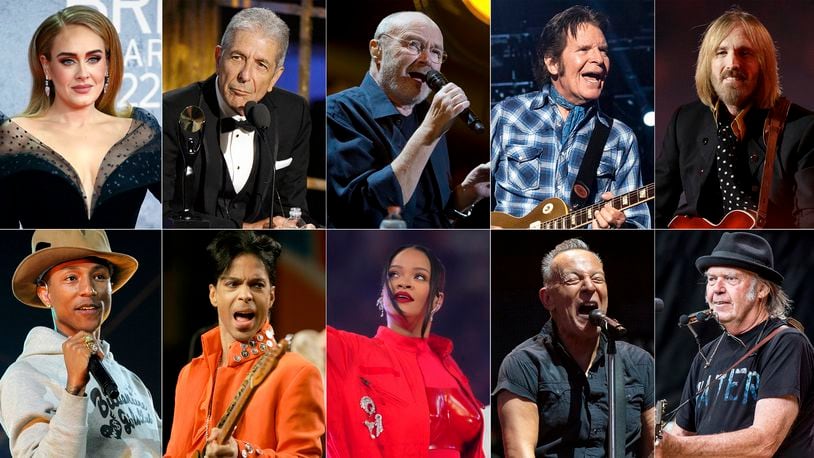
526	149
365	133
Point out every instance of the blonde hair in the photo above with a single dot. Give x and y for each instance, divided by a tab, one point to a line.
768	84
43	40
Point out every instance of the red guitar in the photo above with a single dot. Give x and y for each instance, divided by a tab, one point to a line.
736	219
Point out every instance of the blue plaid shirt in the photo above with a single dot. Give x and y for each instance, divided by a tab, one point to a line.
525	147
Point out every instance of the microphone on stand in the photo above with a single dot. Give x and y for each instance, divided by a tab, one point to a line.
436	80
259	116
695	317
608	324
109	387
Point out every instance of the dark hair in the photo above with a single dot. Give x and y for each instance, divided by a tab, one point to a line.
554	36
438	276
228	245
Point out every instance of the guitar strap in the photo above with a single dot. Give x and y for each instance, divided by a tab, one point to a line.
584	186
772	131
757	346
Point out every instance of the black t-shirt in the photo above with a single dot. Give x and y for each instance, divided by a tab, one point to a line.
573	408
782	367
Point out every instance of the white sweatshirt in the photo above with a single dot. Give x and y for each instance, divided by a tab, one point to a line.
42	419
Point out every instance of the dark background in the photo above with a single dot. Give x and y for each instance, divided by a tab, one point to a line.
628	91
299	303
680	25
356	260
682	288
466	40
133	328
518	314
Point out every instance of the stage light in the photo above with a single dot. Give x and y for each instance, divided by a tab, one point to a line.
649	119
482	9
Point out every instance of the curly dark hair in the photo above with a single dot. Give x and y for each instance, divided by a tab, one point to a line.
228	245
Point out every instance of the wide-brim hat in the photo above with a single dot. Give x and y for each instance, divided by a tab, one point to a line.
52	247
744	250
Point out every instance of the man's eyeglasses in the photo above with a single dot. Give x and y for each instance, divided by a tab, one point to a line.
416	47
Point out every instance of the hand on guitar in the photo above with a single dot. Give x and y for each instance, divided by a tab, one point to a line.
213	449
608	217
668	446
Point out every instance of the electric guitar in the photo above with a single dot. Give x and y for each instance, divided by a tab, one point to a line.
262	368
661	406
552	213
736	219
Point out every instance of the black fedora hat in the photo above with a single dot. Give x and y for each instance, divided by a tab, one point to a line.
744	250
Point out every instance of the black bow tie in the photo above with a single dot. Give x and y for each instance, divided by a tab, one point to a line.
230	124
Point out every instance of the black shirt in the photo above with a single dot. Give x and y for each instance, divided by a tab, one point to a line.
573	408
783	367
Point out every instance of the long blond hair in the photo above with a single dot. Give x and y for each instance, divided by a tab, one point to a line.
768	85
43	40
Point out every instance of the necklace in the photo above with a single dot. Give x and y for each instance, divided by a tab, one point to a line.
708	362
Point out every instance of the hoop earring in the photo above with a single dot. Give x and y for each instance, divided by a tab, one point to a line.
47	88
380	306
107	82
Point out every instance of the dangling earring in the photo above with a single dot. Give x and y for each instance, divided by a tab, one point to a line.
107	82
47	87
380	306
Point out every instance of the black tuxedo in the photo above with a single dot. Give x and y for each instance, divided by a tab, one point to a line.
686	168
291	117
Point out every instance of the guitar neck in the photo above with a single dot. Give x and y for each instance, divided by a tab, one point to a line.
584	216
264	365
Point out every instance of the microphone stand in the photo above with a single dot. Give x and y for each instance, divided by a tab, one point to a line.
616	432
610	356
274	171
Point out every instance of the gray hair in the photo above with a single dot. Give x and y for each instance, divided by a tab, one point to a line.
568	245
778	303
262	21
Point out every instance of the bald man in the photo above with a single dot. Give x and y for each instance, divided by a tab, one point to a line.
386	145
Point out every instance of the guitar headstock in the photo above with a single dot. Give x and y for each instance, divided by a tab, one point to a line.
661	407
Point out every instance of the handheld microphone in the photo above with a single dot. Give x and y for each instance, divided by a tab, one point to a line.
695	317
608	324
109	387
436	80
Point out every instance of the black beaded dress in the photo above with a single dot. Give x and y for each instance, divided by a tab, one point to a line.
40	189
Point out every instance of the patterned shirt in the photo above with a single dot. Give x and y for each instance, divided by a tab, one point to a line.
526	147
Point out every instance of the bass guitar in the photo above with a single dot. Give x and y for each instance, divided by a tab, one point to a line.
552	213
262	368
736	219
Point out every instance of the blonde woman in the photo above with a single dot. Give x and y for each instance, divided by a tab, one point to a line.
71	160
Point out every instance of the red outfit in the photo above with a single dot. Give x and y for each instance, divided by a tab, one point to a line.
399	396
284	418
